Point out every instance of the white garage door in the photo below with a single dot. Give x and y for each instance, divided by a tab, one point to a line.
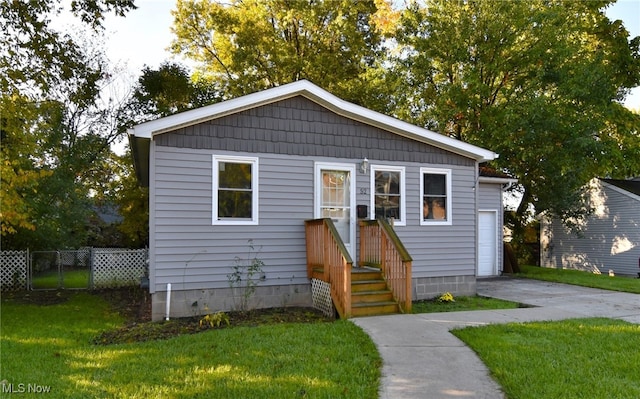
487	243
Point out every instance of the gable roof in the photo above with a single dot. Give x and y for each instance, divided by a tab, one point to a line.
632	186
320	96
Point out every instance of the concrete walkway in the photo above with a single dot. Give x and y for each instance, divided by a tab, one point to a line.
421	359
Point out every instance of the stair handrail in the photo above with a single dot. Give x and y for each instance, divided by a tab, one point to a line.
326	250
381	247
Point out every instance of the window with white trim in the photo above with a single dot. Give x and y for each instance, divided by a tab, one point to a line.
435	189
388	193
235	190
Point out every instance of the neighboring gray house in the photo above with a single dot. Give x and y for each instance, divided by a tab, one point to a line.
609	239
297	152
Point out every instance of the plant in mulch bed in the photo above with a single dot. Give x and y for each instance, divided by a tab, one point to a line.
247	274
214	319
149	331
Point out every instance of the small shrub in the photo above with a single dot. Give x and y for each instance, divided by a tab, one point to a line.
214	320
247	274
447	297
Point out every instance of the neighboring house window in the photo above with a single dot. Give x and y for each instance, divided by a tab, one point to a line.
435	187
388	193
235	190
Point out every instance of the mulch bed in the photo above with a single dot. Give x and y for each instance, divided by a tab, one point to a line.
134	304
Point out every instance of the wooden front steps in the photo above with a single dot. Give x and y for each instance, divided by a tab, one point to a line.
370	295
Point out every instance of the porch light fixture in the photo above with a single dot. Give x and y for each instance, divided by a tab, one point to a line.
364	166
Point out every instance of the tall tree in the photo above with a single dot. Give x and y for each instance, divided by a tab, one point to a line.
245	46
34	55
52	168
539	82
53	129
118	192
45	177
166	91
132	201
19	178
158	93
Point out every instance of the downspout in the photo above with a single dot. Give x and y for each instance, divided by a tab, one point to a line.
168	301
476	217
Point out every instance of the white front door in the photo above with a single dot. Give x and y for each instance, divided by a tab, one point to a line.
335	199
487	243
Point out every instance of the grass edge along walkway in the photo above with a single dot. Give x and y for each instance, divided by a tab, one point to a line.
577	358
581	278
462	303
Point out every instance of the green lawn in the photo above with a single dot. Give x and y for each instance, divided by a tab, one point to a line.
576	277
461	303
579	358
49	346
72	279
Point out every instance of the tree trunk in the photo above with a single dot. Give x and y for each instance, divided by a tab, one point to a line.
521	216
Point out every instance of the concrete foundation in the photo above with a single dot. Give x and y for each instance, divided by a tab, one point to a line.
188	303
431	287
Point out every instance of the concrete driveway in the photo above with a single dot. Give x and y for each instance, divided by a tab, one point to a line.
421	359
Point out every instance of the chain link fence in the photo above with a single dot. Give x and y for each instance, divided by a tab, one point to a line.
86	268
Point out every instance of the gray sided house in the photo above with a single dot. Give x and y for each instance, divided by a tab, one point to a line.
238	179
608	240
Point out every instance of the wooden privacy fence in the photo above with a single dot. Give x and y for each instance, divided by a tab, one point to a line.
87	268
328	261
381	247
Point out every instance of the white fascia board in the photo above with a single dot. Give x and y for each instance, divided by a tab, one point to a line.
497	180
214	111
321	97
385	122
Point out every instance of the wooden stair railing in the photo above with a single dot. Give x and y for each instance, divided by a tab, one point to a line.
329	261
381	247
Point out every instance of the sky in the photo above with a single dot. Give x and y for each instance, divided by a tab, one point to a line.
143	36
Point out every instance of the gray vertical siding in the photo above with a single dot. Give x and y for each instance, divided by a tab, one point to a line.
610	239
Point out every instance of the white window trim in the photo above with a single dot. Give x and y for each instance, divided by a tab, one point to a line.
254	190
372	190
432	222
